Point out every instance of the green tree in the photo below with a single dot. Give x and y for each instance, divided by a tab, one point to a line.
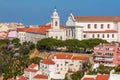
117	69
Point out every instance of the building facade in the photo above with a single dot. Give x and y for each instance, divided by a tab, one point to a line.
107	54
56	31
85	27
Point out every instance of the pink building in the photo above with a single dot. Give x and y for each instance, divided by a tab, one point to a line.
107	54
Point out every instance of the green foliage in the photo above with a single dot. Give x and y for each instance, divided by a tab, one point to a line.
16	41
16	66
49	44
117	69
11	65
78	75
101	69
4	41
71	45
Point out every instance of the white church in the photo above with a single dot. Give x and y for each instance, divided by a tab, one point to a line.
56	30
85	27
78	27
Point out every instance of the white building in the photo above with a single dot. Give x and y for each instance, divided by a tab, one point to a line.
68	63
32	34
56	31
48	68
85	27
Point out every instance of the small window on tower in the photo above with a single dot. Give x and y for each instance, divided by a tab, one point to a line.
56	23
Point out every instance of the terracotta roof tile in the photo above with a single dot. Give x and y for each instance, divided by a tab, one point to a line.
102	77
41	29
63	56
88	78
32	65
21	78
31	70
80	58
48	61
96	18
40	76
106	31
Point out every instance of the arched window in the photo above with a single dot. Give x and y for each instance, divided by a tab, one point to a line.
56	23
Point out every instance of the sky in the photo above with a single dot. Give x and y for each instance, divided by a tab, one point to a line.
39	12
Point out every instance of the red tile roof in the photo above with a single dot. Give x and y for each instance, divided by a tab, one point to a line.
22	29
63	56
88	78
40	76
80	58
102	77
21	78
31	70
97	18
48	61
40	29
106	31
32	65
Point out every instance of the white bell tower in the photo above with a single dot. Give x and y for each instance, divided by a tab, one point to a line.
55	20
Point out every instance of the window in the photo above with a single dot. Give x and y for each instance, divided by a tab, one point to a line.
56	23
107	35
57	65
98	35
72	33
61	37
69	32
56	37
101	26
103	36
93	36
88	26
112	35
95	26
108	26
84	36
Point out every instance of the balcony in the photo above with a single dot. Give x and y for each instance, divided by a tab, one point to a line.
98	55
104	60
108	56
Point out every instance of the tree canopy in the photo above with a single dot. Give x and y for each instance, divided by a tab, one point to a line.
71	45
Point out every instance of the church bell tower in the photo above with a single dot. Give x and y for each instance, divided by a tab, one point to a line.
55	20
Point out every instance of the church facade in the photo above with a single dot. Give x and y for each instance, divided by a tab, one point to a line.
85	27
56	31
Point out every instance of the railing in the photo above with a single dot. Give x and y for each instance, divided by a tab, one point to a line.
104	60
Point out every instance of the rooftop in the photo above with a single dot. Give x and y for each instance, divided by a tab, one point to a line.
48	61
32	65
31	70
63	56
97	18
40	76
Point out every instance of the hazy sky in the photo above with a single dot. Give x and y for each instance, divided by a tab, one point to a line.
33	12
